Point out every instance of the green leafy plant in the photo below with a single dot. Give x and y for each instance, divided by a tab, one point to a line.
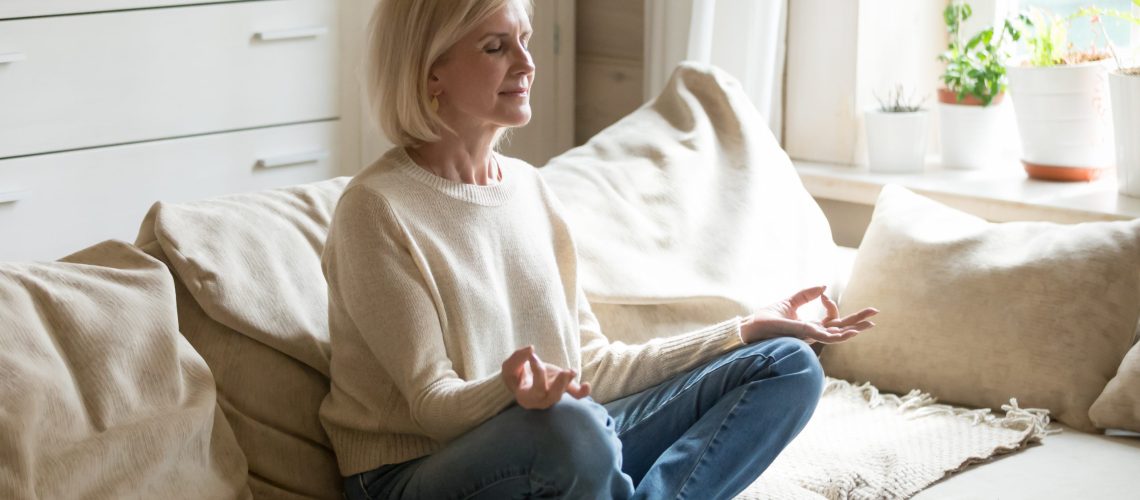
976	67
899	101
1049	42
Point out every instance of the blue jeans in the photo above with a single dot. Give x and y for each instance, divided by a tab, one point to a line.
704	434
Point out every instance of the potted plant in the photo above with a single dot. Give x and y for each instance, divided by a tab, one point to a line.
975	83
1124	85
1125	88
1061	100
896	133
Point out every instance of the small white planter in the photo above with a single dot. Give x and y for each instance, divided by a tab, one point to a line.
970	135
896	142
1063	118
1126	120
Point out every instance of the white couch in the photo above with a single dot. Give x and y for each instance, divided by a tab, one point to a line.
200	352
269	394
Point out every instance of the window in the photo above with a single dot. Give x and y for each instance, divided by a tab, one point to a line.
1081	32
837	61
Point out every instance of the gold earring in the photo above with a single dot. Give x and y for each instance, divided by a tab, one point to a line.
434	103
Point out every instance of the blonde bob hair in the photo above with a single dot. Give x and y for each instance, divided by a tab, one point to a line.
406	38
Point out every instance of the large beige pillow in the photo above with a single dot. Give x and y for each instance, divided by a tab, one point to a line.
254	303
687	212
976	312
102	398
1118	407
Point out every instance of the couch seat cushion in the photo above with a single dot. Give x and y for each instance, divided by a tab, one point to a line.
1071	464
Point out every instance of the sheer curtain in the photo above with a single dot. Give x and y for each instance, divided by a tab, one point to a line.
747	38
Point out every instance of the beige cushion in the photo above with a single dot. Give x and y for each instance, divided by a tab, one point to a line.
976	312
102	398
687	212
255	305
292	457
1118	407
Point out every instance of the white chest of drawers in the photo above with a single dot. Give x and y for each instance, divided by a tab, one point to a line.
108	106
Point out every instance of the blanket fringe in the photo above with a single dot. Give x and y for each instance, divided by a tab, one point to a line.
917	404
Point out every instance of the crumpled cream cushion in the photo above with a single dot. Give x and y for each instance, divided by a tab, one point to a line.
254	304
102	398
687	212
977	312
1118	407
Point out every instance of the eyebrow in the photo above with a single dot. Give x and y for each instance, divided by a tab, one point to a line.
502	34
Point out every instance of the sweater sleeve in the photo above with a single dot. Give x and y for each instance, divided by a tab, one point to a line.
616	369
374	277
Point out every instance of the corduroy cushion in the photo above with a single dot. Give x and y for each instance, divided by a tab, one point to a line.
102	398
977	312
255	304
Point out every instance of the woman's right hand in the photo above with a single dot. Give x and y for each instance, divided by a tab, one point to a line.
538	385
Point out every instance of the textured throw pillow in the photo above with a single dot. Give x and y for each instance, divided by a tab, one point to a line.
977	312
1118	407
255	305
687	212
258	388
102	398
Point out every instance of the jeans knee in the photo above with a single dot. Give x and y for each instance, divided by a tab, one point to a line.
808	369
794	358
579	429
577	448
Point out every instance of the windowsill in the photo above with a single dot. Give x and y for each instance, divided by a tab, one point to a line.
999	194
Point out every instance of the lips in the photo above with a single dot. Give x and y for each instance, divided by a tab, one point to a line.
521	91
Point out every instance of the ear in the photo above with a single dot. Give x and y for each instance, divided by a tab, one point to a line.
434	85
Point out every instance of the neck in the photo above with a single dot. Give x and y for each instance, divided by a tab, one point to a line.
467	158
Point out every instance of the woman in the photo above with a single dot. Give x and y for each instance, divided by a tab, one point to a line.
452	277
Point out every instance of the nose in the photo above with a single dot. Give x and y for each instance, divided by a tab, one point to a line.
523	63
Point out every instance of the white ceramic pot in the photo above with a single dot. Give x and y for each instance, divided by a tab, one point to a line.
970	135
1126	121
1063	115
896	142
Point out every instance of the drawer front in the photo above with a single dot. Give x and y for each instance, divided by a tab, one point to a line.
119	77
53	205
27	8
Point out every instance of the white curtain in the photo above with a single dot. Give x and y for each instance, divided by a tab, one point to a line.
747	38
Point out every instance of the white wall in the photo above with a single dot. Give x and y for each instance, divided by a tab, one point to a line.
840	54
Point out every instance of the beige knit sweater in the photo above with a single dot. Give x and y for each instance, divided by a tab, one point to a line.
434	283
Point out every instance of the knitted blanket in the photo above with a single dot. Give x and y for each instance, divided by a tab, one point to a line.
863	444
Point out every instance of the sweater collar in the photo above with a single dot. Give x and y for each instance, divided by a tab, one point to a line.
490	196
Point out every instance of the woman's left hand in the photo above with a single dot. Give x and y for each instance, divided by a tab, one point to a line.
780	320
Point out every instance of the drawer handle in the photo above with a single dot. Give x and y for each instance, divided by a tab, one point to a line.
9	57
12	196
291	33
292	159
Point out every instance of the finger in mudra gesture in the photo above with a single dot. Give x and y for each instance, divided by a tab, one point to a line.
781	320
536	384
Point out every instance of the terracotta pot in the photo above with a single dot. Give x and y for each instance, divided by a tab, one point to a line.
945	96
